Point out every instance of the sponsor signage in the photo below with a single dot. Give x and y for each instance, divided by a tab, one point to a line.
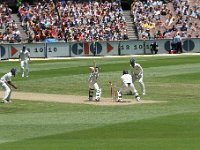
100	48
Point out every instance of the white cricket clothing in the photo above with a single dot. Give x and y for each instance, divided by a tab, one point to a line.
126	78
93	84
6	77
127	83
93	77
137	70
137	73
24	58
24	55
4	84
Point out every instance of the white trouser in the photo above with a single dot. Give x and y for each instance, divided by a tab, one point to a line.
7	90
140	80
126	87
97	89
24	68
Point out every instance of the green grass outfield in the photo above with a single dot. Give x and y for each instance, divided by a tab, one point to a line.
37	125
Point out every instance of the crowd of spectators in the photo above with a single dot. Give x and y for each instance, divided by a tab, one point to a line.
9	31
100	20
156	19
73	21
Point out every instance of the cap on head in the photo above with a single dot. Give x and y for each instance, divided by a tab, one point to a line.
125	72
132	62
13	71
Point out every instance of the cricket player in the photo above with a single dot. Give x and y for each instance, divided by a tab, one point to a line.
93	86
5	83
127	84
137	74
24	57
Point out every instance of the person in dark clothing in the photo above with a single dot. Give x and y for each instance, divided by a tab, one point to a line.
154	47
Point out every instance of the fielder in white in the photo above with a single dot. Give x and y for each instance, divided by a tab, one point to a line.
24	58
137	74
127	84
93	86
5	83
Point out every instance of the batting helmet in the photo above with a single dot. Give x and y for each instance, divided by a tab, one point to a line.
13	71
98	66
125	72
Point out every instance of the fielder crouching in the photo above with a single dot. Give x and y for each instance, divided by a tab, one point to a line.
5	83
93	86
127	84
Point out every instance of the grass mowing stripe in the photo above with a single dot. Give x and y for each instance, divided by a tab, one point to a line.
171	131
137	126
186	78
62	118
172	70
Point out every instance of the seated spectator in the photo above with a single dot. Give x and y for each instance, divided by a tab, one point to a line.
176	15
81	21
164	10
1	36
184	27
158	35
16	35
173	28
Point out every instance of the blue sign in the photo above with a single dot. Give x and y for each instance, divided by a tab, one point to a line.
188	45
3	51
77	48
167	46
96	47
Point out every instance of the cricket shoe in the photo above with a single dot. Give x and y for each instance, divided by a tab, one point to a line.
4	101
90	99
137	98
119	100
97	99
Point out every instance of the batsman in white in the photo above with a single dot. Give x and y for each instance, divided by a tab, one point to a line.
137	74
93	86
24	58
127	84
5	83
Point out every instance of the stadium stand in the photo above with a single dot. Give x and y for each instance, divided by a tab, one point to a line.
9	31
99	20
164	19
72	21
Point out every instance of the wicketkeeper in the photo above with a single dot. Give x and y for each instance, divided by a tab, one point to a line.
93	86
127	84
